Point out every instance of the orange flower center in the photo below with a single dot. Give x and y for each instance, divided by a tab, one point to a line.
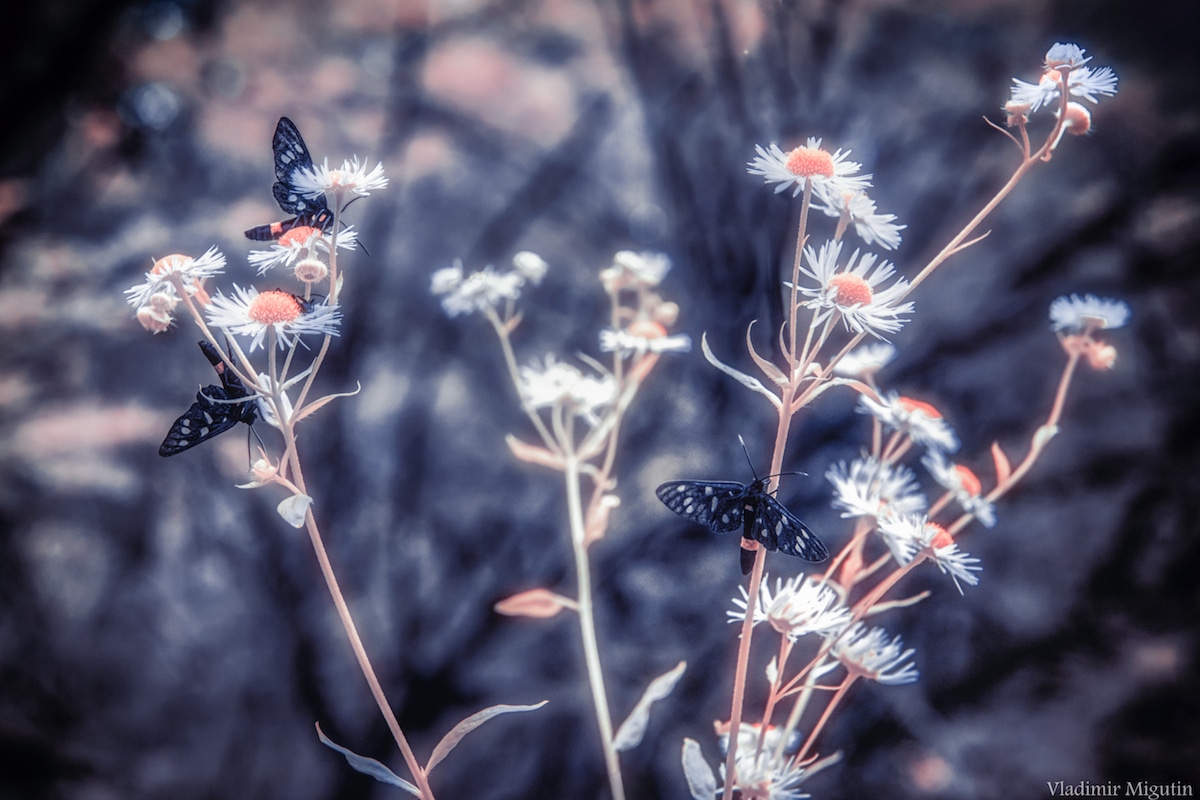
809	161
170	263
910	405
273	307
941	538
298	236
968	480
851	290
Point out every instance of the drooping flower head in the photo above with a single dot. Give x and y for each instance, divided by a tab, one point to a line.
963	484
799	606
156	297
869	653
858	210
868	487
919	420
1065	65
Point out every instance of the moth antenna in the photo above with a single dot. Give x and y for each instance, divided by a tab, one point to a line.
748	461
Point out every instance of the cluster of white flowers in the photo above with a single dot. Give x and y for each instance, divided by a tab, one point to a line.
488	288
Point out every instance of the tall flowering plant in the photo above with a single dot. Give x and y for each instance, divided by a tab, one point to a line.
842	304
575	413
277	342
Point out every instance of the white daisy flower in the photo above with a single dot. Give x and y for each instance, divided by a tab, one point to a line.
868	652
920	421
808	163
869	488
801	605
553	383
859	210
854	292
302	241
1077	313
961	482
1084	82
253	313
190	271
352	177
475	292
865	360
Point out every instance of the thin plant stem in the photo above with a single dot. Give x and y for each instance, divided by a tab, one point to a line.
587	625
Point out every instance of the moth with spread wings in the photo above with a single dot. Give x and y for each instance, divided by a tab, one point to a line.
291	155
725	506
212	414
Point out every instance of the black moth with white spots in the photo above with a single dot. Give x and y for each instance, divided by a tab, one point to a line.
212	414
291	155
725	506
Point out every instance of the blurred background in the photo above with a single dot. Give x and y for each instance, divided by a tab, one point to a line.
163	634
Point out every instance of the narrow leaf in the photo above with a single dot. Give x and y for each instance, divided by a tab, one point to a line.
532	453
701	781
537	603
1003	468
451	739
770	370
630	734
745	380
369	766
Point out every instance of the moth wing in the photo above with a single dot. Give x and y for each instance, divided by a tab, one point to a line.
776	528
717	505
202	421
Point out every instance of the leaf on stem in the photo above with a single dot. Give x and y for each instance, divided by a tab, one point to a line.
770	370
294	508
317	404
533	454
369	766
536	603
746	380
1003	468
597	518
701	781
456	734
630	734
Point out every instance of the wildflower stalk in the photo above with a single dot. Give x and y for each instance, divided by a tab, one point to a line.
587	622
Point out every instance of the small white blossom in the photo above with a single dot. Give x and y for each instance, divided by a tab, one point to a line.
530	266
961	482
859	210
908	535
1084	82
865	360
553	383
800	606
190	271
920	421
299	243
475	292
626	342
869	488
1076	313
635	270
809	162
868	652
352	177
